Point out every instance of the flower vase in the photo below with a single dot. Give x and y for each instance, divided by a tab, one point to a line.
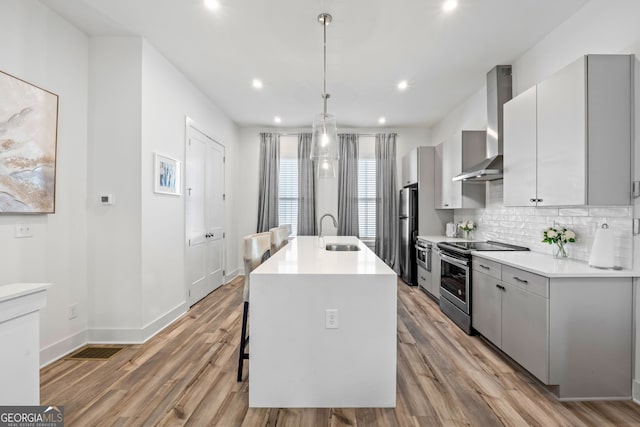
467	234
559	251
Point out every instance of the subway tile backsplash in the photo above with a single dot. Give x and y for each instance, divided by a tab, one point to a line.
524	225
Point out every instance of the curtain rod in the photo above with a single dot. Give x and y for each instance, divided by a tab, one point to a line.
298	134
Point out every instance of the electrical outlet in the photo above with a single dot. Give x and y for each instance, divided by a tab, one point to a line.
73	311
331	318
23	230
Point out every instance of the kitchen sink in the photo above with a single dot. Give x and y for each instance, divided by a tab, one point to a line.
342	247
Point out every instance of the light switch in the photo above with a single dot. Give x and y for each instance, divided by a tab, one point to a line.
23	230
331	318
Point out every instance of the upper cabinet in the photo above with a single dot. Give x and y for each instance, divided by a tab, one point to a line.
576	127
410	168
463	150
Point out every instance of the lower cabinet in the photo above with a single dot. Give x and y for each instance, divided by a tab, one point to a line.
572	333
515	320
525	330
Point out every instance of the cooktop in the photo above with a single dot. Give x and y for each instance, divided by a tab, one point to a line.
481	246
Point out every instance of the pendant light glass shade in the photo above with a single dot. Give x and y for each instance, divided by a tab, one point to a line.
326	168
324	142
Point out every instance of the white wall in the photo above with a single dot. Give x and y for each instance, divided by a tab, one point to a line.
327	189
600	27
139	105
114	247
43	49
167	98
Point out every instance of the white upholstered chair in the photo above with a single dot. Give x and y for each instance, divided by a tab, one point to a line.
279	238
256	248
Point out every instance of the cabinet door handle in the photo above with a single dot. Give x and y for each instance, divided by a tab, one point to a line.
422	278
520	280
500	287
533	200
484	266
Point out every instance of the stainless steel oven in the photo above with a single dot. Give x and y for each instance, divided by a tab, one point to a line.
423	254
456	277
455	288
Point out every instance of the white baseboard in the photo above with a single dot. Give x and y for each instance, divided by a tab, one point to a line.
55	351
137	336
233	274
636	391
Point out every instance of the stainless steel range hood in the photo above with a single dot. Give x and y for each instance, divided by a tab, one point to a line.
498	92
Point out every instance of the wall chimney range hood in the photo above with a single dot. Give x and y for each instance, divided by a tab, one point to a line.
498	92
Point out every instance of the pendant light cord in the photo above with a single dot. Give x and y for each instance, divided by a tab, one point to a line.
325	96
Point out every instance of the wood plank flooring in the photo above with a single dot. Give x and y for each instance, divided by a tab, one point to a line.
186	375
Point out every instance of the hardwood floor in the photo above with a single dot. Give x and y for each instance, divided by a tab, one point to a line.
186	375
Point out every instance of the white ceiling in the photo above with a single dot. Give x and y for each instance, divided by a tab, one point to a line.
371	46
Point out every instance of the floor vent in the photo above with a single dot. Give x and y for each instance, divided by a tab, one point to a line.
95	353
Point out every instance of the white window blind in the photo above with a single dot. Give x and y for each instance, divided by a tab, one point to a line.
367	198
288	193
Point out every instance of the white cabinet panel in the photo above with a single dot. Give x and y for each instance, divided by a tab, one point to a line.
410	168
520	150
579	121
561	168
486	307
525	330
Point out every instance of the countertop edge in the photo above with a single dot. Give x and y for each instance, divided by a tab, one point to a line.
16	290
591	272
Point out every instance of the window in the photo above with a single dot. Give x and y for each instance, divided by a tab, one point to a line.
288	184
367	189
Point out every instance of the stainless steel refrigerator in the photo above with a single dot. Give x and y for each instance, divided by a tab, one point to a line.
408	234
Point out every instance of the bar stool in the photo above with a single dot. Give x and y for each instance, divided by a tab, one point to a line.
256	248
279	238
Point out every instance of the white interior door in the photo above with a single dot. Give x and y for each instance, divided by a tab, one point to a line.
204	173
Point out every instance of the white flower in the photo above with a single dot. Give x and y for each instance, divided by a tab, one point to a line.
568	234
551	234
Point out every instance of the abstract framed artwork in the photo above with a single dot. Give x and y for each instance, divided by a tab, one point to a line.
166	175
28	140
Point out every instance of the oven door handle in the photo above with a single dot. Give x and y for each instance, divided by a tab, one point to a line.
454	261
422	248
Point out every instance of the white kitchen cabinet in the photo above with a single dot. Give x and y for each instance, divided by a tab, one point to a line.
582	136
525	330
410	168
520	139
463	150
560	329
487	307
419	168
513	319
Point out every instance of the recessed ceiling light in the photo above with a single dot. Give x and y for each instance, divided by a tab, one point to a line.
277	119
257	83
449	5
403	85
382	120
212	4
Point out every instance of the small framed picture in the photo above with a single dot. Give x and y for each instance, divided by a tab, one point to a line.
167	175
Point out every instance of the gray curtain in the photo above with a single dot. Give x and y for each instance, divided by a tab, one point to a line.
268	184
306	187
386	199
348	185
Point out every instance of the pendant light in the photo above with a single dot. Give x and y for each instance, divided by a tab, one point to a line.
324	143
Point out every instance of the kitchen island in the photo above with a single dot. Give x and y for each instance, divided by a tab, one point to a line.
322	327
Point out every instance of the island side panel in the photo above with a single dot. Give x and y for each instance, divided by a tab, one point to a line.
296	362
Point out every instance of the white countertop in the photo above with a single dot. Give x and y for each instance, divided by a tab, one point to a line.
303	255
548	266
15	290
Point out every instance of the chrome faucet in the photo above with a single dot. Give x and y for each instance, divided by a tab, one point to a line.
335	223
